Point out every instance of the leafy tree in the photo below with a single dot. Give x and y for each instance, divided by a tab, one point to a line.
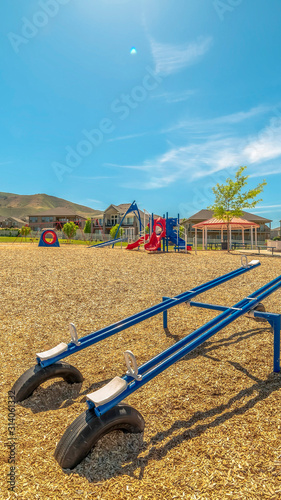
113	231
25	231
87	228
181	232
70	229
182	229
230	200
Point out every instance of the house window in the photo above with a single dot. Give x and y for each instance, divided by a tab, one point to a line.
47	219
33	219
129	221
114	220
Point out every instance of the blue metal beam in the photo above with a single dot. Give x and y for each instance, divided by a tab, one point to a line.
164	360
119	326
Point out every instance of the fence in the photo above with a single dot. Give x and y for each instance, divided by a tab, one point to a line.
9	232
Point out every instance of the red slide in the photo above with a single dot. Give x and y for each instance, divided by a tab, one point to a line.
137	243
159	232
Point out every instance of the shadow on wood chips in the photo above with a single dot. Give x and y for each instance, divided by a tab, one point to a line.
156	451
53	397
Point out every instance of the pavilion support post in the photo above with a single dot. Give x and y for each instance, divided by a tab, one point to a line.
196	241
243	235
256	237
203	238
206	238
252	238
227	232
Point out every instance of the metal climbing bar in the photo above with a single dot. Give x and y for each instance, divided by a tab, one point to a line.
65	350
165	359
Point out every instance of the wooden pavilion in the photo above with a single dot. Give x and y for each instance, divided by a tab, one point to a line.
220	224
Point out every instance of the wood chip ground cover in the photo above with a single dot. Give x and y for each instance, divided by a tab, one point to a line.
212	420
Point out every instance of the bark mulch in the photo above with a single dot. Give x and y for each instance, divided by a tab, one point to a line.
212	420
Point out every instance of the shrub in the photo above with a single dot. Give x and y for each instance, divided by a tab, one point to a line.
25	231
87	228
70	229
113	231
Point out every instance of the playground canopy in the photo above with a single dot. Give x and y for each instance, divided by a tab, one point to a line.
220	224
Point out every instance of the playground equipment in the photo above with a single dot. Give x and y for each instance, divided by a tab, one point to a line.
49	363
164	232
44	242
132	208
143	235
107	243
105	411
159	232
137	243
99	226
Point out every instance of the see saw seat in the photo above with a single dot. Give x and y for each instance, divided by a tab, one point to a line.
52	352
108	392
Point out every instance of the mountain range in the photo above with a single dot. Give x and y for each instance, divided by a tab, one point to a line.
17	205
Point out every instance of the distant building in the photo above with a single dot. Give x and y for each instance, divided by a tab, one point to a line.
11	222
263	232
55	219
101	222
275	232
113	215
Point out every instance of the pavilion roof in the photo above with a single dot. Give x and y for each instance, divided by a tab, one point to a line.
235	223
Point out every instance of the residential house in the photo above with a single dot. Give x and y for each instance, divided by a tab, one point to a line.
55	219
275	232
263	232
114	214
11	222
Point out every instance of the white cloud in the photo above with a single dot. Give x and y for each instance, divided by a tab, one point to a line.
267	145
95	201
268	206
231	119
263	211
132	167
174	97
197	161
171	58
242	115
91	178
126	137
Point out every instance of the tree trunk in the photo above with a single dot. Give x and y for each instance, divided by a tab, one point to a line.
228	234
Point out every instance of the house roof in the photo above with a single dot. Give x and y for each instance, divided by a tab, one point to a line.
235	223
60	211
207	214
6	218
122	208
16	219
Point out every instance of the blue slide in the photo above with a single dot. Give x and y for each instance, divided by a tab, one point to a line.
106	243
177	241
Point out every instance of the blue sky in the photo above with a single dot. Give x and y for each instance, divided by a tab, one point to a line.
84	119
